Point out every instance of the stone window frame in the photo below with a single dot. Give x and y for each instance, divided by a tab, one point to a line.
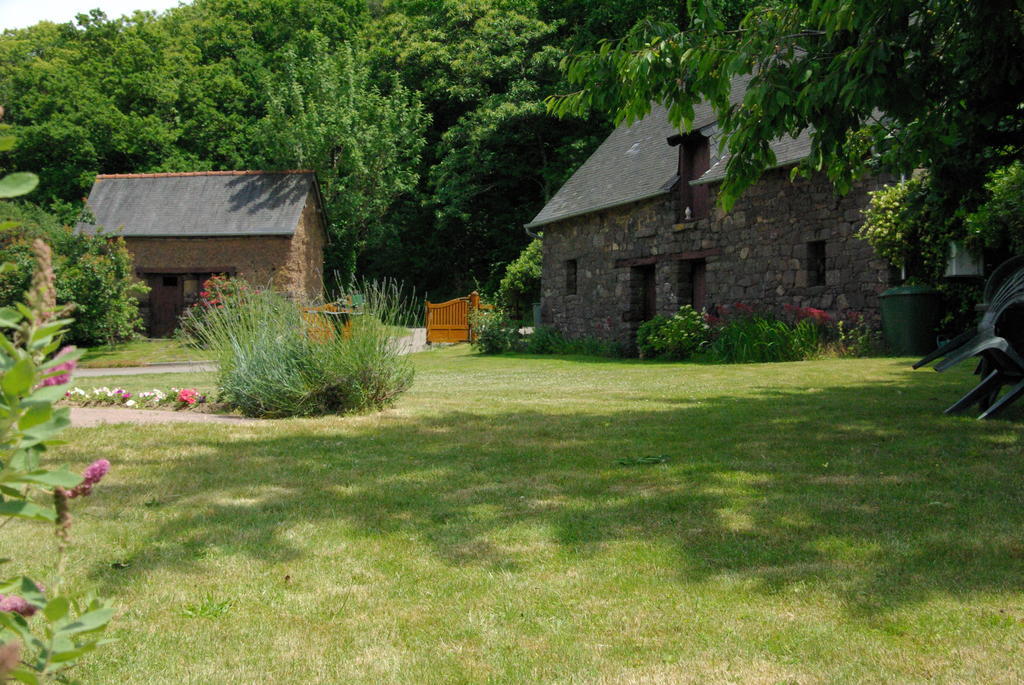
571	276
817	256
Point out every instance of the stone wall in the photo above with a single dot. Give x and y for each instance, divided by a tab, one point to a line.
288	264
757	254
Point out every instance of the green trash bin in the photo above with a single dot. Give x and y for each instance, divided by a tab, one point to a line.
910	315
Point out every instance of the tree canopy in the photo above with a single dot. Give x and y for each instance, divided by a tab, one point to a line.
879	84
425	119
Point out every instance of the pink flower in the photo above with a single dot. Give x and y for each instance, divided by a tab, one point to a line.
67	367
16	605
188	396
92	475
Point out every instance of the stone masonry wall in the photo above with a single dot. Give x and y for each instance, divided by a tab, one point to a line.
756	254
290	264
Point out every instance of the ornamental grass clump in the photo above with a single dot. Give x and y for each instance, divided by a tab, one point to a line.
277	361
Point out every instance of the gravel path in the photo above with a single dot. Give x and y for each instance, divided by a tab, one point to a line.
84	417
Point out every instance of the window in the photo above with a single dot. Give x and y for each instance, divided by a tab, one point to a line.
170	281
816	263
570	277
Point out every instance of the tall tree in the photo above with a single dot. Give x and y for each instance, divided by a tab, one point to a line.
891	84
324	114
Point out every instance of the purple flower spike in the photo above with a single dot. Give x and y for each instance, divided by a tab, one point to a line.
93	475
67	367
16	605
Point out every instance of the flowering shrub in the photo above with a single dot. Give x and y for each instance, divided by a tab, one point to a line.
175	398
676	337
217	292
34	371
188	396
493	331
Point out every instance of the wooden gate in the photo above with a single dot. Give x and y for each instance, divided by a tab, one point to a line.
448	322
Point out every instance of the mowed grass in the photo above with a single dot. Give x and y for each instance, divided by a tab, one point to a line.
815	522
140	352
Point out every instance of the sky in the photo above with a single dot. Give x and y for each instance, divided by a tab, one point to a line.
16	14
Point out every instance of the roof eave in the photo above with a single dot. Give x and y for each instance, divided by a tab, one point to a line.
599	208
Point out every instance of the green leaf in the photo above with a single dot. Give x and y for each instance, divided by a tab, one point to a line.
88	622
27	510
18	183
7	143
35	415
18	380
10	318
29	589
65	656
61	478
48	394
23	675
57	608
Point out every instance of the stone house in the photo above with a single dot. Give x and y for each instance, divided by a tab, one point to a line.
636	232
266	227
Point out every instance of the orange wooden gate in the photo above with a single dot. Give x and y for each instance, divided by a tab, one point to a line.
448	322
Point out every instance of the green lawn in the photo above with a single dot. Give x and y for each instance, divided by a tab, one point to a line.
815	522
139	352
205	383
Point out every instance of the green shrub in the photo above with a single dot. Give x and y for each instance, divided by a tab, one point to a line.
97	274
673	337
759	337
493	331
545	340
94	272
271	367
520	286
998	224
548	340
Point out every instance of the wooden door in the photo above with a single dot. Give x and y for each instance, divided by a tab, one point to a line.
648	283
166	302
698	285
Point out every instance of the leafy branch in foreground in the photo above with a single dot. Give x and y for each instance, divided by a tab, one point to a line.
889	84
42	632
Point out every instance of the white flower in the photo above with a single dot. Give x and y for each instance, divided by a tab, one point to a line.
130	403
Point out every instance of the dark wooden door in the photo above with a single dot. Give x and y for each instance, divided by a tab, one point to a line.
166	302
649	303
698	285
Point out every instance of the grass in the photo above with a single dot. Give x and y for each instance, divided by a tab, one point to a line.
140	352
205	383
510	521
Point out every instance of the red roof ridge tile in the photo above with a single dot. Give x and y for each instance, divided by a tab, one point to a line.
170	174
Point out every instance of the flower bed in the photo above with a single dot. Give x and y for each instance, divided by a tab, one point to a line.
174	398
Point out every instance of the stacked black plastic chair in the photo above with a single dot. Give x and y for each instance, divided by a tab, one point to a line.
997	342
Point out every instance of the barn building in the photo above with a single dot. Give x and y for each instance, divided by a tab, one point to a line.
266	227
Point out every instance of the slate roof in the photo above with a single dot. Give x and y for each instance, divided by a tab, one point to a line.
636	163
787	151
200	204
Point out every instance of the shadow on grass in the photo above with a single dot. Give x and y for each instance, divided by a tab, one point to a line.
866	492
